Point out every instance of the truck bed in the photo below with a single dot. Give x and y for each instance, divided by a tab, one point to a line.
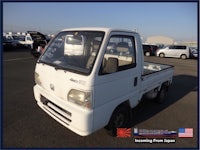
154	75
150	68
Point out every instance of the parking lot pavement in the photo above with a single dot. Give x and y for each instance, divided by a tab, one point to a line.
25	125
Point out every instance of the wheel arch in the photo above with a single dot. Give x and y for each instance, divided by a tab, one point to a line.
183	55
161	53
125	103
166	84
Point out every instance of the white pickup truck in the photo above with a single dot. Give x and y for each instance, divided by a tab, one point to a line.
99	86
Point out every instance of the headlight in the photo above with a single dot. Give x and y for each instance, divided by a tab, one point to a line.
37	79
80	98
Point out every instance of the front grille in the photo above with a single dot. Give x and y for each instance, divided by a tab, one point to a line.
56	110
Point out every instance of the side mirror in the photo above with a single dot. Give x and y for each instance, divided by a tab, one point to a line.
111	65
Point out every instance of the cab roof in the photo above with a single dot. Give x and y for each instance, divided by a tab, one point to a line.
97	29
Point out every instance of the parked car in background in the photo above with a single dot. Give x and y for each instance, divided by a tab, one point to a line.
11	43
177	51
7	43
149	50
193	52
111	48
26	41
48	38
39	42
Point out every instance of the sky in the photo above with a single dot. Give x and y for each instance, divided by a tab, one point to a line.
176	20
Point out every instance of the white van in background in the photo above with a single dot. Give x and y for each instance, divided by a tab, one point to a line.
74	45
178	51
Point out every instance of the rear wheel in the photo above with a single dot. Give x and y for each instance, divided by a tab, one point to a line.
120	118
183	56
161	94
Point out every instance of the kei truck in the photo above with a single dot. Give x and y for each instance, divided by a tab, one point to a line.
90	78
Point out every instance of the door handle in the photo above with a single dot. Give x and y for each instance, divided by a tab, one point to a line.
135	81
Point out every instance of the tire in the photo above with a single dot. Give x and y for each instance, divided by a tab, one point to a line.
162	55
147	54
161	94
183	56
120	118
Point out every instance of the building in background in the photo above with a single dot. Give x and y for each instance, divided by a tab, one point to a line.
160	40
188	43
163	40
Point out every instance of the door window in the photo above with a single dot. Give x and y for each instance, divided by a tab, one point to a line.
119	55
172	47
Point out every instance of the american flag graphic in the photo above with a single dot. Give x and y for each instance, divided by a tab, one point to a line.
185	132
123	132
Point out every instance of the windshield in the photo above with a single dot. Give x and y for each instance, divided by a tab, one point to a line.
73	50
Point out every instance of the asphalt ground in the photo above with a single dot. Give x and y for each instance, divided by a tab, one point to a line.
25	125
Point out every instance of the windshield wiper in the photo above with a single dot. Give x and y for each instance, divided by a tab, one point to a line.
68	68
56	67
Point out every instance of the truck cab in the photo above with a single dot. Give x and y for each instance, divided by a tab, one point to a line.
86	85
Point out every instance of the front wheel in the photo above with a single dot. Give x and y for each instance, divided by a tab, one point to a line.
161	55
120	118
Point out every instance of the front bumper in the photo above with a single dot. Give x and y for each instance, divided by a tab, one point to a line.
75	118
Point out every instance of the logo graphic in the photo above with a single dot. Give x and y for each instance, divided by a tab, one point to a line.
123	132
153	133
185	132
